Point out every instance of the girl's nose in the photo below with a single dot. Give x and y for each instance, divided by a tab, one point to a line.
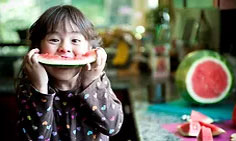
65	48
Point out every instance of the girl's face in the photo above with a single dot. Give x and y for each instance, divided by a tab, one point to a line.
67	42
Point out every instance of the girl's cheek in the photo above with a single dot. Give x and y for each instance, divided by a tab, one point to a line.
47	49
79	51
44	47
82	49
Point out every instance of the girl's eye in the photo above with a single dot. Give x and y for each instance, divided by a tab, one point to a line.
54	40
76	40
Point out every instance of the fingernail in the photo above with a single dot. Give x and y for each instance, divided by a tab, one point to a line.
89	66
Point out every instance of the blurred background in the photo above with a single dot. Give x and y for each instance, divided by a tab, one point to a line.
131	30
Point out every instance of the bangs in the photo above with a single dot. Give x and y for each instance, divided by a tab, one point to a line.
60	20
62	17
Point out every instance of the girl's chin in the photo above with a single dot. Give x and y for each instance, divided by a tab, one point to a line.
62	73
63	68
65	76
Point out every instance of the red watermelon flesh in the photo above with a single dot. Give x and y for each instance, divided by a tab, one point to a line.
57	60
205	134
209	79
204	77
214	129
197	116
191	128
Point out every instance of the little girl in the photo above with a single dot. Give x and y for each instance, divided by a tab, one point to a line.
66	104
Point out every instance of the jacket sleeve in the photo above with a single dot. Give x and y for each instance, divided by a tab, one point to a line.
35	113
104	110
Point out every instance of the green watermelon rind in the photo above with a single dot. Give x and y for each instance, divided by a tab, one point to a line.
187	63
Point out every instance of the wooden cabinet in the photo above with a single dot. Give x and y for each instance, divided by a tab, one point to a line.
225	4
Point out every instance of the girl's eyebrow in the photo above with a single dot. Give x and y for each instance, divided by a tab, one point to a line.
56	32
76	32
53	32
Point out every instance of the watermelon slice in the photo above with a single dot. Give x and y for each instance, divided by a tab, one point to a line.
191	128
56	60
205	134
197	116
204	77
214	129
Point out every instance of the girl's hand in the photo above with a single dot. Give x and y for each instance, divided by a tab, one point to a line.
35	71
94	70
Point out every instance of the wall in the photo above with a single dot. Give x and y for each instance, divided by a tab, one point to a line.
193	3
183	17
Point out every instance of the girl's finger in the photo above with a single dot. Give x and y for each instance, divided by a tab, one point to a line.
88	66
29	55
96	64
27	68
103	57
33	51
98	61
34	58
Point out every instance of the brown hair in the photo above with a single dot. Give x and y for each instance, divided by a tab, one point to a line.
51	18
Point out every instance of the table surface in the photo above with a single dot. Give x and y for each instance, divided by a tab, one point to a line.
151	115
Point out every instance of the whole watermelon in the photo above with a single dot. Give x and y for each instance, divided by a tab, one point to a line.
204	77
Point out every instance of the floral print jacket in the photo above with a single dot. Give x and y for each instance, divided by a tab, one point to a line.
92	114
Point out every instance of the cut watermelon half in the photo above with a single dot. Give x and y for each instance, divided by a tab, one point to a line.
205	134
204	77
56	60
197	116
